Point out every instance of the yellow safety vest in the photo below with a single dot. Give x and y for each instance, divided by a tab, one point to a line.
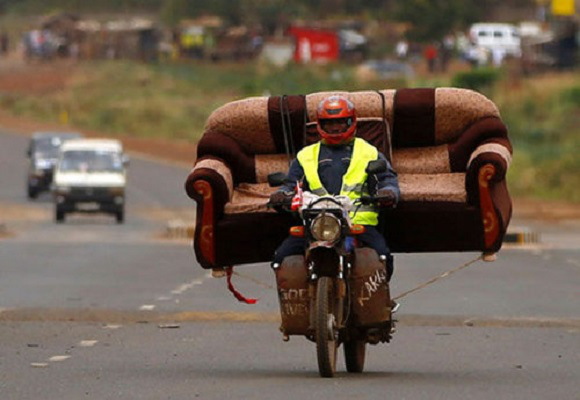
352	181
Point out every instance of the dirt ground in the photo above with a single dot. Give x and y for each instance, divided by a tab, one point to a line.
16	77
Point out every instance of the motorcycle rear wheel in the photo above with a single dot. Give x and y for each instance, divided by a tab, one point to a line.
354	355
326	327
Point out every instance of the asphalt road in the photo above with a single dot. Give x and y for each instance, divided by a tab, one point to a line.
92	309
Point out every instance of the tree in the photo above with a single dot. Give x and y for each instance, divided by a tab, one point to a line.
432	19
173	11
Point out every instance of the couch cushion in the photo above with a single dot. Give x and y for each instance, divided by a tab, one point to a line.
252	198
433	187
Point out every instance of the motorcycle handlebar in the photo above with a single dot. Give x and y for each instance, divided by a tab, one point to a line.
285	206
380	200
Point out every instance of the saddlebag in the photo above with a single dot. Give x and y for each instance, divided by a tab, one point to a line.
369	295
292	281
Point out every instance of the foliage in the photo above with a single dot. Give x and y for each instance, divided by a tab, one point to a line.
432	19
169	100
478	79
174	101
544	125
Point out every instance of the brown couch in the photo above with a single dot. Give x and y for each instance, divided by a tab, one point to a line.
448	146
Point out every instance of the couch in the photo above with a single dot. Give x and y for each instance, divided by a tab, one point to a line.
449	147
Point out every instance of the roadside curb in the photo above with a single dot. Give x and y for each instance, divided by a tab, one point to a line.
178	229
524	235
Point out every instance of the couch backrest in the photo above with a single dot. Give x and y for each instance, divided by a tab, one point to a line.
433	130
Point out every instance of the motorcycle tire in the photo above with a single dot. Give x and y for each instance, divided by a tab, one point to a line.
326	327
354	355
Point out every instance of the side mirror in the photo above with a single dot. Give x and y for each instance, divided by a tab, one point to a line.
376	167
125	160
276	179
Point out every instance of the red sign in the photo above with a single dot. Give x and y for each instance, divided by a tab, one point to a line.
315	45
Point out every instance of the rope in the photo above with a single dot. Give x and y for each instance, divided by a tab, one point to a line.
286	124
443	275
256	281
421	286
286	115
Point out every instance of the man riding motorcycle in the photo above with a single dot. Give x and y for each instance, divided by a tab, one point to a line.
337	165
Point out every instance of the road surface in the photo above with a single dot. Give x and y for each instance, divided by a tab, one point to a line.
92	309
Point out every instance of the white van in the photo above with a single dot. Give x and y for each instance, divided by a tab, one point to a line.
496	37
90	176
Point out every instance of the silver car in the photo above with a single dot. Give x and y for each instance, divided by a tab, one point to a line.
42	155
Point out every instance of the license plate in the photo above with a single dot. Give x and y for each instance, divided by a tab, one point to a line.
87	206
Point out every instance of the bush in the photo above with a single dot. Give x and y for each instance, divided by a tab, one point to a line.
477	79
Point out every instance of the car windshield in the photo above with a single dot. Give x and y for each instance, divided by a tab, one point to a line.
47	147
91	161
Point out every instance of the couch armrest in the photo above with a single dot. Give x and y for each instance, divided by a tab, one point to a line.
489	193
210	184
497	154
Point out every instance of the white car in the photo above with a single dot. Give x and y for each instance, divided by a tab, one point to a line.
496	37
90	176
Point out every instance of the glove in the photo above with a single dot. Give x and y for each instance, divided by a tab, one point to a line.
280	198
386	198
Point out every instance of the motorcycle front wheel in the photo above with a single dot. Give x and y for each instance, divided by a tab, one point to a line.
326	326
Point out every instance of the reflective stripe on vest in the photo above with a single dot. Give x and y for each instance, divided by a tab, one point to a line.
352	181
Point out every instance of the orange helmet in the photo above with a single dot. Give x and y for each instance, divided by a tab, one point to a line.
336	120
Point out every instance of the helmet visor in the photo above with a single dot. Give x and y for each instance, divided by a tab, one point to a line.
335	126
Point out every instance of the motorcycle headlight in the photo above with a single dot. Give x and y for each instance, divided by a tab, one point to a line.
326	227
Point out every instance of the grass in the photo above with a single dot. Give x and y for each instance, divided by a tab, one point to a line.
174	100
543	118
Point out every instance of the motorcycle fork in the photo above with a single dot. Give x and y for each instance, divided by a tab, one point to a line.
340	285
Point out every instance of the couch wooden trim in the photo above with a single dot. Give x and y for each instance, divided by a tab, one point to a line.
491	227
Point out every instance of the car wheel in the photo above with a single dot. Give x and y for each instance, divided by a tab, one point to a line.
120	216
59	216
32	192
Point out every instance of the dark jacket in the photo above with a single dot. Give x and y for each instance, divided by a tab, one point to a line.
333	162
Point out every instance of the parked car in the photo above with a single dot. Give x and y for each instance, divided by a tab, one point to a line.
90	177
496	37
42	155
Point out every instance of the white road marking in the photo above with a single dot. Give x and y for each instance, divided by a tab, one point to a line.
163	298
39	365
88	343
186	286
58	358
112	326
147	307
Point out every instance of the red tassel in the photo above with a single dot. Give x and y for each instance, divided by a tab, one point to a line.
241	298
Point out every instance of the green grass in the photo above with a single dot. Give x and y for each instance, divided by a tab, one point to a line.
171	100
174	101
544	127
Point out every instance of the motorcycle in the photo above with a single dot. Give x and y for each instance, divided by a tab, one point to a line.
337	293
